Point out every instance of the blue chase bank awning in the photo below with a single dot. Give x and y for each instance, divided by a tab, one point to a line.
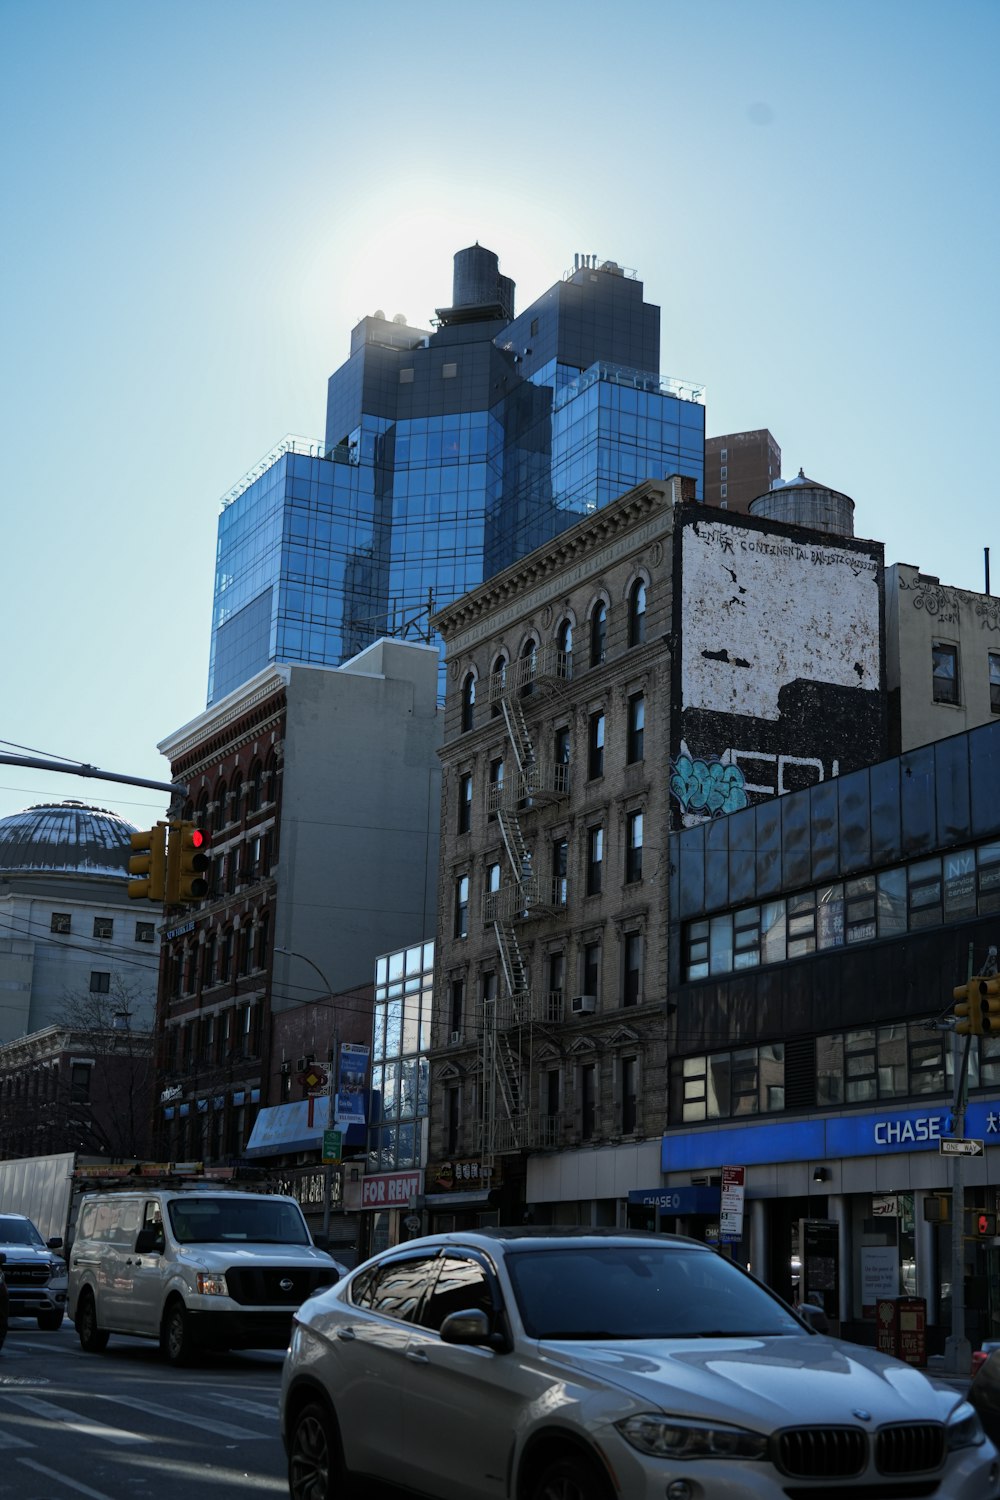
285	1128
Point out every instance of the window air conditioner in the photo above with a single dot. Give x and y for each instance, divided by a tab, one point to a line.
286	1067
456	1036
303	1063
582	1005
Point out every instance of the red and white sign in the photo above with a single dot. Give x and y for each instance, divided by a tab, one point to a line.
391	1189
731	1203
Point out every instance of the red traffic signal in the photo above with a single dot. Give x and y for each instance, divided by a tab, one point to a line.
187	860
986	1225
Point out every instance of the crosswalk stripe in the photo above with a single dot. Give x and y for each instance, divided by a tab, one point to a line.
73	1484
72	1419
252	1408
171	1414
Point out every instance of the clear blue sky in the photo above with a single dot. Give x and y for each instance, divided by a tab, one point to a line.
202	199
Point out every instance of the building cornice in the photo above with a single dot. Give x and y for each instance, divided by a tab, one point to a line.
592	544
191	737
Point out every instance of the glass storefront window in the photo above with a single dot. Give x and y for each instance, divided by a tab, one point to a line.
721	945
891	903
830	913
924	889
959	885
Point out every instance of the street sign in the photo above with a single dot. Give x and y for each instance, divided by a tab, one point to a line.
956	1146
332	1146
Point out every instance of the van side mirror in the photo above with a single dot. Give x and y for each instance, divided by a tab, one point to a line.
149	1242
55	1243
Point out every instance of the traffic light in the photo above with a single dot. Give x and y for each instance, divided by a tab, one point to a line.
187	858
989	1003
968	1010
984	1225
148	864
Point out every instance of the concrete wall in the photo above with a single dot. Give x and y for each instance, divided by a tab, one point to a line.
920	612
360	814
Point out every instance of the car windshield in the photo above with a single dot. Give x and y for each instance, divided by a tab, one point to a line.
264	1221
20	1232
640	1292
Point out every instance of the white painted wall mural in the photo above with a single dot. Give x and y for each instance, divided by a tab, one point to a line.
780	669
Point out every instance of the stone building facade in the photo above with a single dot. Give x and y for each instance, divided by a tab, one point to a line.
639	674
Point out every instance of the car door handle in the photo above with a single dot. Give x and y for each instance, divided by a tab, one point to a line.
418	1356
346	1334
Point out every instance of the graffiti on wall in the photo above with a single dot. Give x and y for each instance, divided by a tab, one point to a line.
780	680
706	789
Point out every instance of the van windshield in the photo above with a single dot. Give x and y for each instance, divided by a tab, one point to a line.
258	1221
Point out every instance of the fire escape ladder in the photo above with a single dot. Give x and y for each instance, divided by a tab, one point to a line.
517	729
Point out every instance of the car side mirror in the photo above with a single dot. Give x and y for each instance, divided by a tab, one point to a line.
149	1241
55	1243
3	1258
470	1327
814	1317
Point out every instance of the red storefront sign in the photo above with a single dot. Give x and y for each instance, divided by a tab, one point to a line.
391	1189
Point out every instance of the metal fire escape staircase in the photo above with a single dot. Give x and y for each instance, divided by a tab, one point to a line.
507	1020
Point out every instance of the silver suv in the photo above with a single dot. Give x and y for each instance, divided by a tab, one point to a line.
35	1275
552	1365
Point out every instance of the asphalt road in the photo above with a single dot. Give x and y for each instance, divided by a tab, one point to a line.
125	1426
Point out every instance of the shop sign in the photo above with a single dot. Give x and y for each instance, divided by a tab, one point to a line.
308	1187
879	1274
680	1201
826	1139
390	1189
731	1203
463	1175
885	1206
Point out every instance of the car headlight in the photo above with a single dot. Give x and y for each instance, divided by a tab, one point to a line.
670	1437
963	1428
212	1284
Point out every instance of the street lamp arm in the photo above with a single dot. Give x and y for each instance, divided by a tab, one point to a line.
292	953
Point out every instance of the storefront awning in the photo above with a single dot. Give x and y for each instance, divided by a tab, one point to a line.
285	1128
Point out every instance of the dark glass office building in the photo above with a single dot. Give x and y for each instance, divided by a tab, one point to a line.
449	453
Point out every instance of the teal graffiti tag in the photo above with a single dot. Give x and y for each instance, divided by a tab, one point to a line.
708	786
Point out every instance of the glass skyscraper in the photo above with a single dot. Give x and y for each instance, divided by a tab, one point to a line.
449	453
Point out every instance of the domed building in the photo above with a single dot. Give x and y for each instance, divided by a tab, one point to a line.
78	968
67	927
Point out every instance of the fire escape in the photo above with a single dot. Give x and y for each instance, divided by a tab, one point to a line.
533	782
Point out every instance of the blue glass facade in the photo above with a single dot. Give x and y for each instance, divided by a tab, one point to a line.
449	454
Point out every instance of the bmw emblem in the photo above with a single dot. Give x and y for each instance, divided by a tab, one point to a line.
286	1284
861	1414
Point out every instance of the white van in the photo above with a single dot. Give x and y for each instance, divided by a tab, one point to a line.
196	1269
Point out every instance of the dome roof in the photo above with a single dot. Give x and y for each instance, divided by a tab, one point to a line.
65	838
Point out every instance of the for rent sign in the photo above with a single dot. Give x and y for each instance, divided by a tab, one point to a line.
391	1189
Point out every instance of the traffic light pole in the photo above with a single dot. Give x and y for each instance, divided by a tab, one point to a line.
957	1349
77	768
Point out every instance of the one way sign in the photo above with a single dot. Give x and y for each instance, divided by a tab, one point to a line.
956	1146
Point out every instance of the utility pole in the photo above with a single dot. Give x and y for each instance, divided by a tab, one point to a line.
975	1015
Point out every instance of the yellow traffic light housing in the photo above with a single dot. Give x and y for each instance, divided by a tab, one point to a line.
148	865
968	1012
988	997
187	859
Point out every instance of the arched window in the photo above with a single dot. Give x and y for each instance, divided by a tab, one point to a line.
468	701
271	780
236	798
637	613
564	645
220	806
598	633
254	786
499	670
528	651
